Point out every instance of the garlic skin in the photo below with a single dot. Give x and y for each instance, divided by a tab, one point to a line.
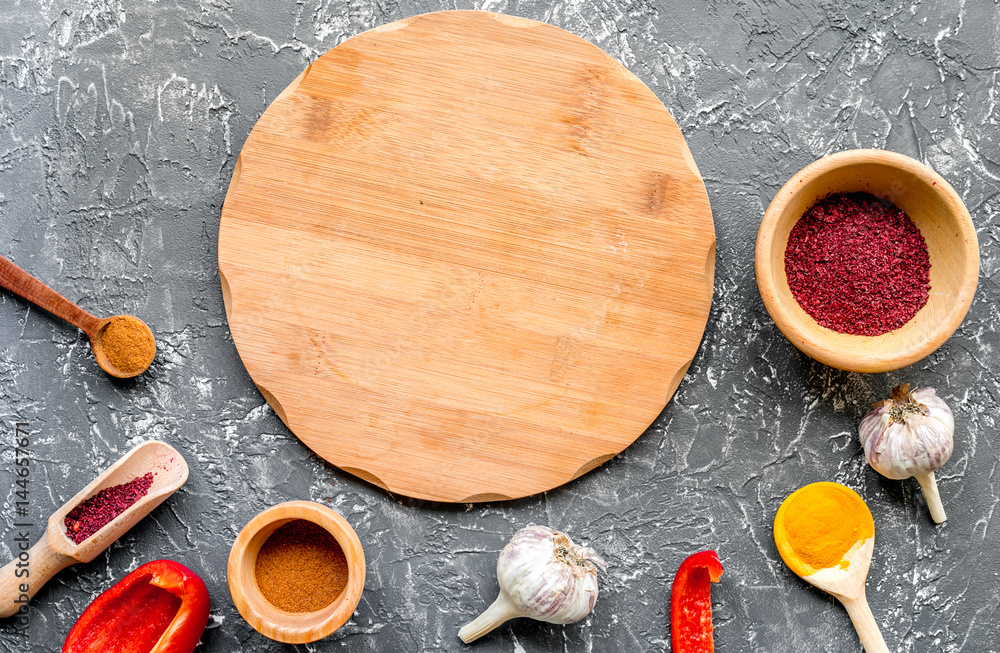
544	576
910	434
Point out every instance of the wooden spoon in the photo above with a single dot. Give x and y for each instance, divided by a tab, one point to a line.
128	331
54	551
845	580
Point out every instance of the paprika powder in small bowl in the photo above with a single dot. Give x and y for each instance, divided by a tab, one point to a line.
296	572
912	293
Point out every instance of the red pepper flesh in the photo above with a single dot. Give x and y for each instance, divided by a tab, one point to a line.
691	603
161	607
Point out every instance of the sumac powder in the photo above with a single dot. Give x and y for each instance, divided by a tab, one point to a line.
301	567
858	265
99	510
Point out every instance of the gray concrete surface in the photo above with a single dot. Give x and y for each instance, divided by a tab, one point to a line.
120	123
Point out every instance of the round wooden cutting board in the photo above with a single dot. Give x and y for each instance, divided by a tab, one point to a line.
466	256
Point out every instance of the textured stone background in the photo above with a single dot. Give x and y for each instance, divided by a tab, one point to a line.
120	123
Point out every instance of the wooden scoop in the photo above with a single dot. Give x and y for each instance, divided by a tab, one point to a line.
19	282
53	552
845	580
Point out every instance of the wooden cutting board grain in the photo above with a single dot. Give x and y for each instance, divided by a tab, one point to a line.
466	256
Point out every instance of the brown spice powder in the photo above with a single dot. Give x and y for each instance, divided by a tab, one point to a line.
128	344
301	567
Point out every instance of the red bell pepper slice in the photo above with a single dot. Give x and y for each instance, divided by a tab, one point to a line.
161	607
691	603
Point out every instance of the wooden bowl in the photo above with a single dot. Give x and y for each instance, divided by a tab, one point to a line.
271	621
937	211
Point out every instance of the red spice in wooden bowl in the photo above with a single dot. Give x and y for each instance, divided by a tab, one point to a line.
857	265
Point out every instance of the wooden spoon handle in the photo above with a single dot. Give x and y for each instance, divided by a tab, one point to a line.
19	282
864	623
21	578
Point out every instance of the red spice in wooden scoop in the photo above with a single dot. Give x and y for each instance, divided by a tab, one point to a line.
858	265
99	510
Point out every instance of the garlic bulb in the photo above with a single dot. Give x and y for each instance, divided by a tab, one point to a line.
542	575
910	434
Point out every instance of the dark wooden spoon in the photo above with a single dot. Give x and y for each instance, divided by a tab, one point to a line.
111	334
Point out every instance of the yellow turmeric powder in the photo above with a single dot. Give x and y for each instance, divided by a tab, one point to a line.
819	525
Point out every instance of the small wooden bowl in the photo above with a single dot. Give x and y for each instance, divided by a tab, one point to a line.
273	622
937	211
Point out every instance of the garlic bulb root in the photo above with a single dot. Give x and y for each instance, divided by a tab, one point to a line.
501	611
929	485
544	576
